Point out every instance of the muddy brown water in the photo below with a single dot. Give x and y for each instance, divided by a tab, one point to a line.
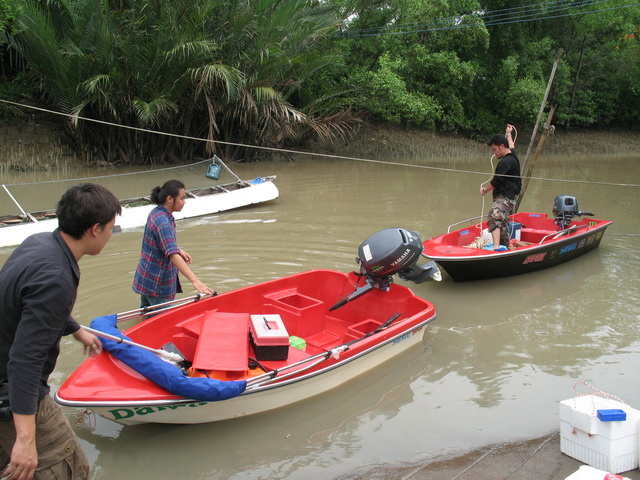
491	368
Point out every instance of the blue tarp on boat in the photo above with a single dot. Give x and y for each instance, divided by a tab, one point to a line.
162	373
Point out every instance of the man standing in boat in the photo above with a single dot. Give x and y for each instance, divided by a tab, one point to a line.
38	288
505	184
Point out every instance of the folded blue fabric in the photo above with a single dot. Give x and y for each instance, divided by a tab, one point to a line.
162	373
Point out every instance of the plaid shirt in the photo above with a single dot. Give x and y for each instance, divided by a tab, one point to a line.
156	275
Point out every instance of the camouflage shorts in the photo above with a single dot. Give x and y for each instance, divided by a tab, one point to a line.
498	217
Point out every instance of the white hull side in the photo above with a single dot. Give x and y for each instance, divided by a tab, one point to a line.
137	216
264	398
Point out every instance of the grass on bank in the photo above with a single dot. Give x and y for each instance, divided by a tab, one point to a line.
34	147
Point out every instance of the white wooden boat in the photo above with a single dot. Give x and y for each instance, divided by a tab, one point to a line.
201	201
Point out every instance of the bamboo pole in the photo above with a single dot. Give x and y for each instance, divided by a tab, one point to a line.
525	167
529	165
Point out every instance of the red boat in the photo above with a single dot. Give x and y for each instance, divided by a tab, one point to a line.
288	339
538	241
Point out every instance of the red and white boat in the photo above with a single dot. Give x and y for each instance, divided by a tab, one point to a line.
539	241
289	339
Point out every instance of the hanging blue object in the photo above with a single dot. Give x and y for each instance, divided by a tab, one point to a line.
166	375
213	171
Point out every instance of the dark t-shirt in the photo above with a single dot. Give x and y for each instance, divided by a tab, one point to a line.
507	187
38	287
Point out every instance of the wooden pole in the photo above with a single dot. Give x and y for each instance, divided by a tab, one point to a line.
525	166
526	174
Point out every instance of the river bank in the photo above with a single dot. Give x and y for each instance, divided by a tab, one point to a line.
374	140
40	146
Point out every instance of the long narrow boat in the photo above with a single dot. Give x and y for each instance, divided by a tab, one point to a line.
538	241
289	339
201	201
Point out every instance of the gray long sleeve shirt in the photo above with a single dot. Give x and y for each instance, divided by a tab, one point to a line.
38	288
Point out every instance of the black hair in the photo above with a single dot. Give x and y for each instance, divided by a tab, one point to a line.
171	188
85	205
498	139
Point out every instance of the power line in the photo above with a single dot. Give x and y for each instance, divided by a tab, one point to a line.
300	152
486	16
523	14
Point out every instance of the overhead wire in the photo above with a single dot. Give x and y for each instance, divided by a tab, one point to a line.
303	153
477	19
457	21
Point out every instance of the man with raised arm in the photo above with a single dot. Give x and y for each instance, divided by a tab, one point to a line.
505	185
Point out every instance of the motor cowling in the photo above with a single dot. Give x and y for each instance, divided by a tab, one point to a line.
565	204
395	251
565	207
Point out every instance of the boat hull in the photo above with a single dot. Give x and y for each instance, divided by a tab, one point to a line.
547	249
205	205
136	216
258	401
340	346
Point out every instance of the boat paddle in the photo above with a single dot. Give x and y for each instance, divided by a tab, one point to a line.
170	357
161	307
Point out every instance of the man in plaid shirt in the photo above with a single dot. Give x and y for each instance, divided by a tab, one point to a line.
156	278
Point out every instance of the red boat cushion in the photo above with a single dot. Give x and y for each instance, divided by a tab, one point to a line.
223	343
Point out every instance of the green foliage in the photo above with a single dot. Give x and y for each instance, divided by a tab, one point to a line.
9	9
385	93
280	72
220	70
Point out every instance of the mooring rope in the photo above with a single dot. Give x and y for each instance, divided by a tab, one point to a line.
314	154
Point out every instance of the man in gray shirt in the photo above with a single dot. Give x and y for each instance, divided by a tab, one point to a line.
38	288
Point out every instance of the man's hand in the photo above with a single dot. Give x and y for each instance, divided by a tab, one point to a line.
24	456
92	344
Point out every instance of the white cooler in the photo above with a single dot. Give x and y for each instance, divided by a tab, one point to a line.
592	432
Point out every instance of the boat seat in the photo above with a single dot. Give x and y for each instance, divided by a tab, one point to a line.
534	235
223	343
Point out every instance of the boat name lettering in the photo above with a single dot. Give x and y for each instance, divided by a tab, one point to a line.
403	337
401	257
568	248
538	257
120	413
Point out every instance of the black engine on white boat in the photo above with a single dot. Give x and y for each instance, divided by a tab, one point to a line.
393	251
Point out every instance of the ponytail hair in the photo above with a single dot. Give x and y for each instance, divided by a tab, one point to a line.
171	188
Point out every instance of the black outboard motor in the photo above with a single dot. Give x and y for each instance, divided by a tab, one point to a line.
393	251
565	207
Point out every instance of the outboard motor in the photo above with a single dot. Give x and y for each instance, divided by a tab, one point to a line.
565	207
393	251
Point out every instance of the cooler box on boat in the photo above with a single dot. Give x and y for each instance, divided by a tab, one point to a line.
269	337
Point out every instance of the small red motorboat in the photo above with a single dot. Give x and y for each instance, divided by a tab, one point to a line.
538	241
284	340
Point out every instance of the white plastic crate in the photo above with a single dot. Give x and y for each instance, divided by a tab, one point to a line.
610	446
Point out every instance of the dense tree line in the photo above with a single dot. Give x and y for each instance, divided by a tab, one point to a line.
277	73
